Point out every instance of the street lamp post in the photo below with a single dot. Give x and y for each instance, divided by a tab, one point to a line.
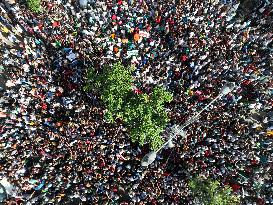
3	194
179	130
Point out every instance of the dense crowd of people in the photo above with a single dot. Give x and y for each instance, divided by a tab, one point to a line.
56	147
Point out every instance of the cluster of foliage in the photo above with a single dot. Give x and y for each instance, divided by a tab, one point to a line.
209	192
143	114
34	5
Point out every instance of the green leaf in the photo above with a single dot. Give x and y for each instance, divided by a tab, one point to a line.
143	115
209	192
34	5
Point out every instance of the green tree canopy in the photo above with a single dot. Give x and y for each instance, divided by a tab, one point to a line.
143	114
209	192
34	5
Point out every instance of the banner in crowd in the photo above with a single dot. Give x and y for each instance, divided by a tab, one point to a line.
132	53
144	34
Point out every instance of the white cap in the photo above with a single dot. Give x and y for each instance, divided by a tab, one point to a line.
227	88
170	144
